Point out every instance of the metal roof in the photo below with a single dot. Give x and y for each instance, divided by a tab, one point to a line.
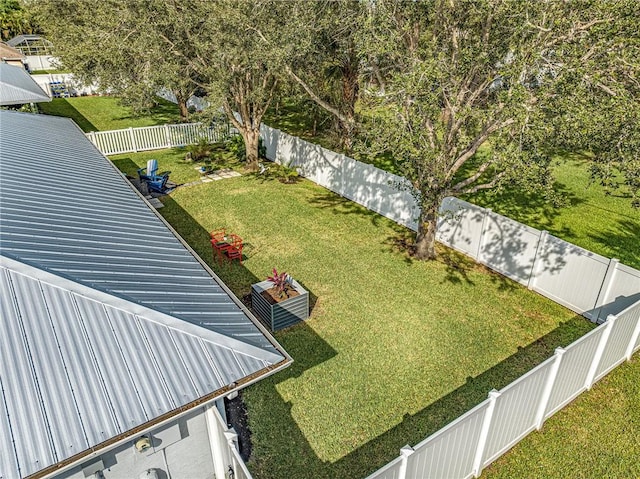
107	320
17	87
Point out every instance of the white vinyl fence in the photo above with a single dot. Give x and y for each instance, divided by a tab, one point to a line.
132	140
585	282
74	86
463	448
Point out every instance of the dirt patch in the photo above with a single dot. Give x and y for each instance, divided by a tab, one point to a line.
273	297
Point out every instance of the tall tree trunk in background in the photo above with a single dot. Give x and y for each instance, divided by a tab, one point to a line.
251	138
350	91
426	236
182	106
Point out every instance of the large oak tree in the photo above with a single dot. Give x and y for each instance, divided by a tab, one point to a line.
468	98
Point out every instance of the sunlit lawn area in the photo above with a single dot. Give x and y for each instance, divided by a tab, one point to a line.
96	113
597	436
394	349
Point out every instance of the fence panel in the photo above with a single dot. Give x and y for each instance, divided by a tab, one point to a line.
286	149
113	142
451	451
392	470
508	247
560	266
516	410
573	371
622	290
616	349
460	225
150	138
270	137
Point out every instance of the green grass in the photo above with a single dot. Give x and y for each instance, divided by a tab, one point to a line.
173	160
605	224
99	113
596	436
394	349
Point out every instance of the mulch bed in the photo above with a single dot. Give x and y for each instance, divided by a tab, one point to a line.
237	418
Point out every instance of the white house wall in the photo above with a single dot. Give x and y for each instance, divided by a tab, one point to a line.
180	450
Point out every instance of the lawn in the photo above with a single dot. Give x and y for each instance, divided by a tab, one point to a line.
394	350
173	160
597	436
98	113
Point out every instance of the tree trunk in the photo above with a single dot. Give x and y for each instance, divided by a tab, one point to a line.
251	143
426	236
184	111
182	106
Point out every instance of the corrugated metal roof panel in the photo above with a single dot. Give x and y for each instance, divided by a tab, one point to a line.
108	320
17	87
79	366
81	219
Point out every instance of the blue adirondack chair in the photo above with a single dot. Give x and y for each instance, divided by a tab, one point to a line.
156	182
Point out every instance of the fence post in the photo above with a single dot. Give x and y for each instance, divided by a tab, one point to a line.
167	135
608	325
484	433
535	269
483	229
132	137
548	388
634	338
405	452
92	137
605	288
215	442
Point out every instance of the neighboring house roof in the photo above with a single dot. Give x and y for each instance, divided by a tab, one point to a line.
31	44
109	322
17	87
7	52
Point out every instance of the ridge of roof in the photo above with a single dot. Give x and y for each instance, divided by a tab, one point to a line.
140	310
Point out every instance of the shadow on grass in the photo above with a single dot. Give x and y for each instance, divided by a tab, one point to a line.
302	462
623	241
340	205
61	107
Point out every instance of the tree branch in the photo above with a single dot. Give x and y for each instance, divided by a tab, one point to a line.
334	111
473	178
473	147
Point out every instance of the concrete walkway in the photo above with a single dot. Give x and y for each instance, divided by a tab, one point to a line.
214	176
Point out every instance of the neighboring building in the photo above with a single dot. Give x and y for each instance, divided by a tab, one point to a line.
12	56
18	88
37	50
116	341
31	45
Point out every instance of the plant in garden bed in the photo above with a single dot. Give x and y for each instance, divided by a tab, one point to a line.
282	287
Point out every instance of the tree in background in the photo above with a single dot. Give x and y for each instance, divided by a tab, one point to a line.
468	94
326	61
598	98
119	45
137	48
16	19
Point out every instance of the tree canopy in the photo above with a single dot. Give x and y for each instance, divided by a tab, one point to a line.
465	95
471	95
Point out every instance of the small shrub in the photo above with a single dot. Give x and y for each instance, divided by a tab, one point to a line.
200	150
281	283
